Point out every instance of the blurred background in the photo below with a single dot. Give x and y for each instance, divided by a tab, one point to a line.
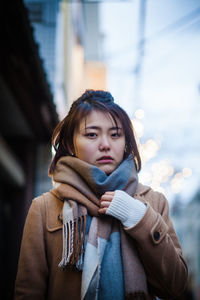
146	53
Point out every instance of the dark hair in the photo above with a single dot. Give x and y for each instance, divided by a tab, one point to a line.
62	138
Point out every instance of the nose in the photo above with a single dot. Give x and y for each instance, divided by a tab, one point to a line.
104	144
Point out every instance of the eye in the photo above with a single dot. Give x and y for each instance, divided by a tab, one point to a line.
115	134
91	135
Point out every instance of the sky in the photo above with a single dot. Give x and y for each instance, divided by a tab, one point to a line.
167	90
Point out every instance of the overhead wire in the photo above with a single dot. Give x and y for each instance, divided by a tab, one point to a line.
184	21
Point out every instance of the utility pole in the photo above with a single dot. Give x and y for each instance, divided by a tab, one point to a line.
140	52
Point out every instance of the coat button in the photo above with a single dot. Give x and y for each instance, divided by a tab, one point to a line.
156	235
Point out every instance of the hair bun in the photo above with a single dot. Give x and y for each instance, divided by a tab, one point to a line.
99	95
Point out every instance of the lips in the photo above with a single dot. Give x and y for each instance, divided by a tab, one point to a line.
105	159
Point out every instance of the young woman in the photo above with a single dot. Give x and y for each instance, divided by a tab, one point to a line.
98	234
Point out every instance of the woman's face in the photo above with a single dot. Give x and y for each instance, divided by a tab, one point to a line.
99	141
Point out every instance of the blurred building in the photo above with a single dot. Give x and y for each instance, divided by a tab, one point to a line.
27	118
69	41
44	67
187	223
79	64
43	17
95	68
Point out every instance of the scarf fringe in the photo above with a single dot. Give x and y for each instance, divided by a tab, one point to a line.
73	243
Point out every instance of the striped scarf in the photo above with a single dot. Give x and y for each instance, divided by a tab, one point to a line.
98	245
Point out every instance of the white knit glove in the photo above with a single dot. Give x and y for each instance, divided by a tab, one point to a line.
126	209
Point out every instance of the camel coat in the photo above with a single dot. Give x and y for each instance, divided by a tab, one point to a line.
39	276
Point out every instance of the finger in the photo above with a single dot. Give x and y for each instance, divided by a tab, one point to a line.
106	197
109	193
102	210
104	204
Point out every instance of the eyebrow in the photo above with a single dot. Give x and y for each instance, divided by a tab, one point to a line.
98	128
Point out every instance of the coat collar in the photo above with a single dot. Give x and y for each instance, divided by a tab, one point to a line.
142	189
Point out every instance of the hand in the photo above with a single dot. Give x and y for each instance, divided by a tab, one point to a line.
105	201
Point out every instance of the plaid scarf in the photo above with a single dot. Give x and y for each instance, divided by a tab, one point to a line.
98	245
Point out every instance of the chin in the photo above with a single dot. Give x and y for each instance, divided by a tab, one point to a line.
107	170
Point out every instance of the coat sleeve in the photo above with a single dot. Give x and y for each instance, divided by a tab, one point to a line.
160	251
32	275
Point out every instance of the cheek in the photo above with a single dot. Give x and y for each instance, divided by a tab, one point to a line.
87	152
84	151
121	152
120	148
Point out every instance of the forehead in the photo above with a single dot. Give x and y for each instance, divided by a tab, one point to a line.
100	119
